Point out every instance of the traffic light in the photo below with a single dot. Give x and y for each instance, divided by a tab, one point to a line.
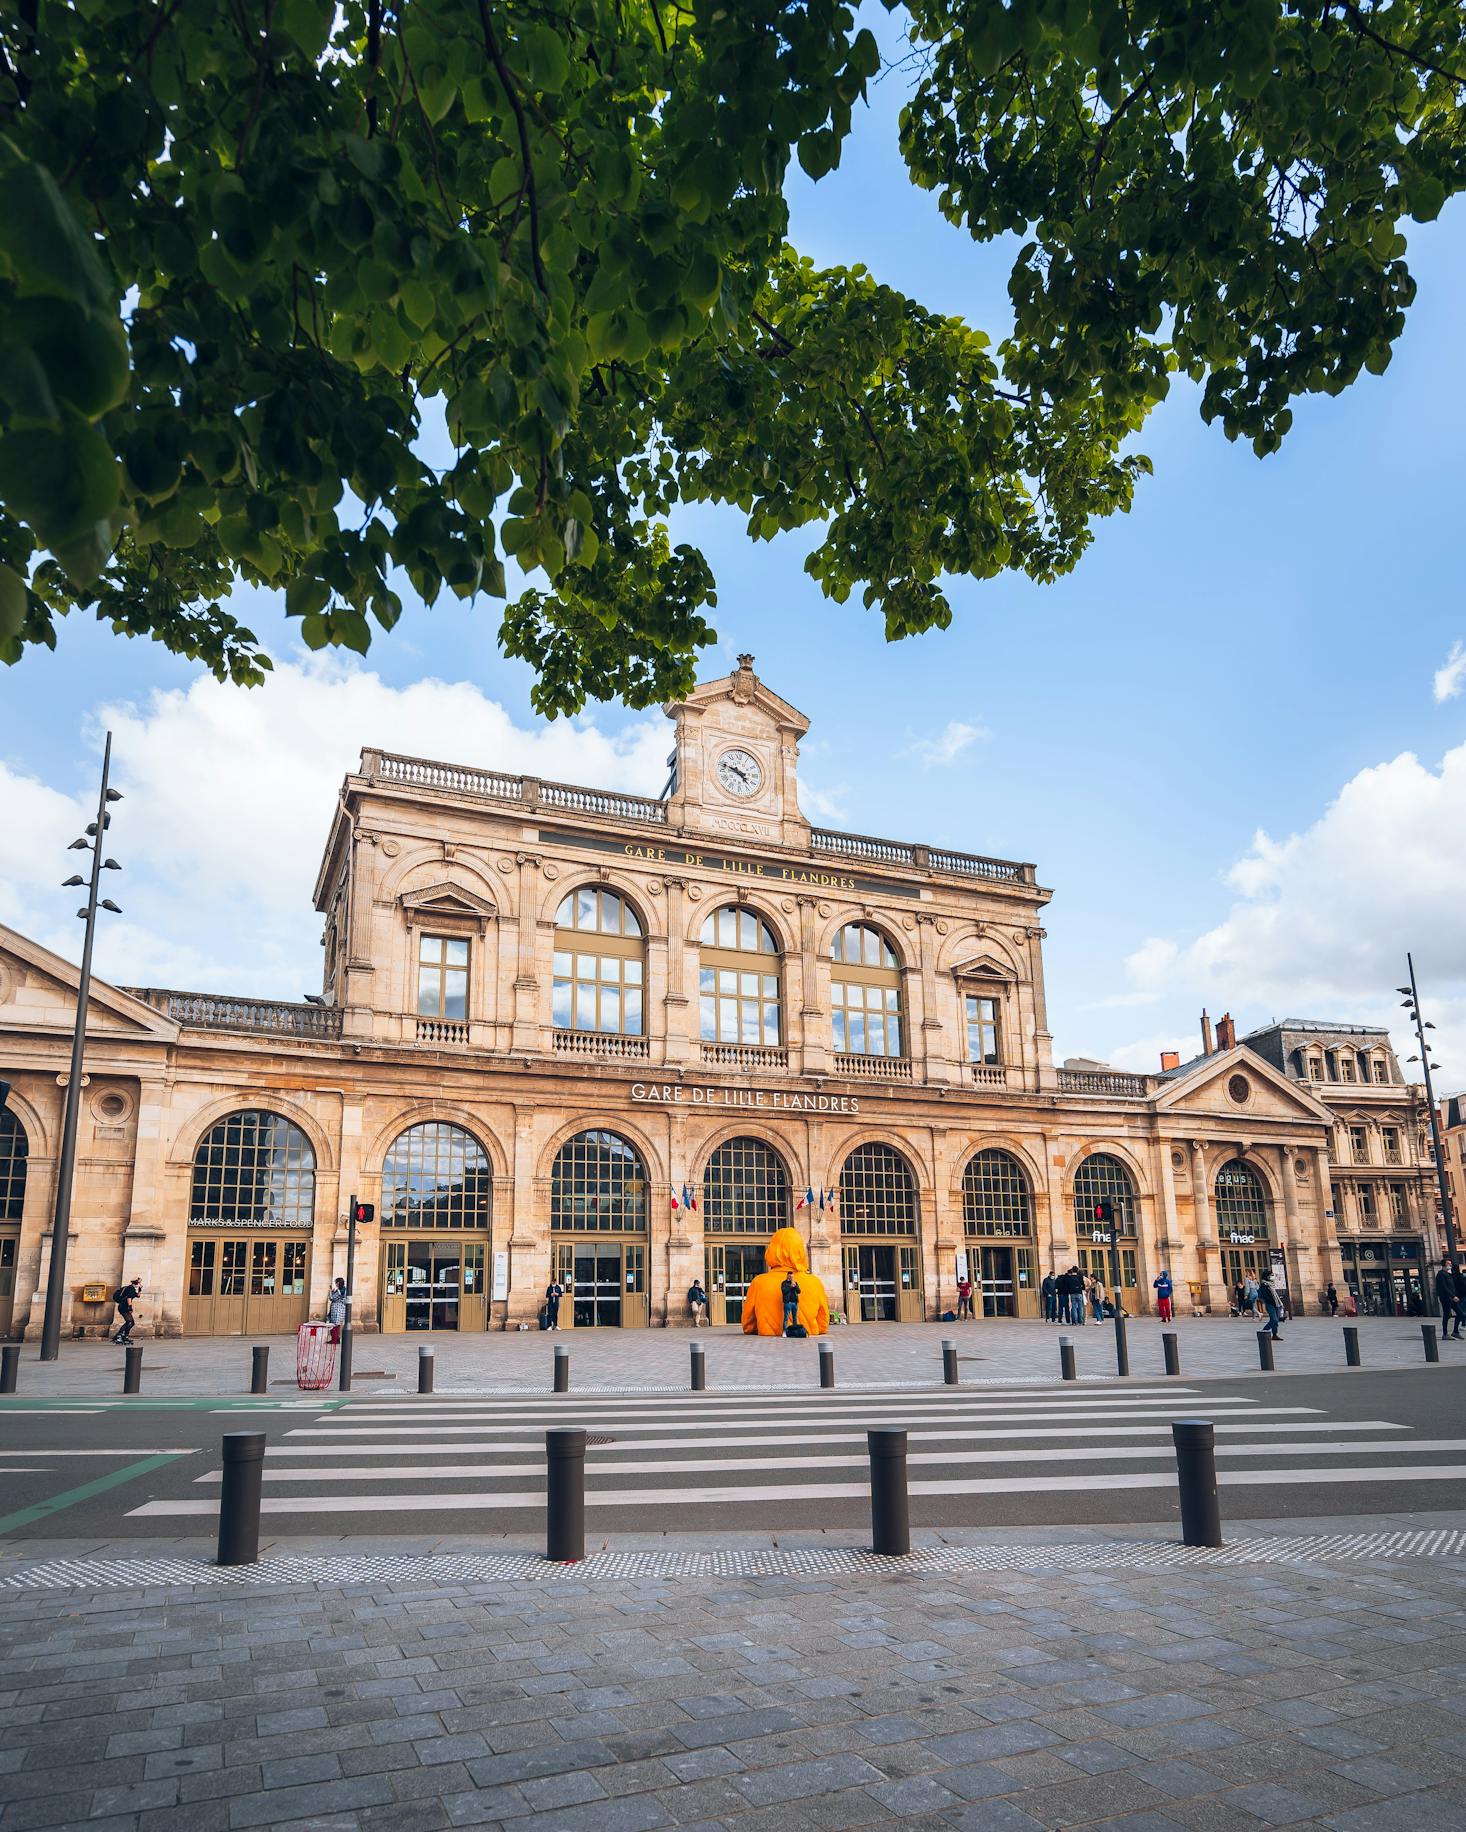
364	1211
1104	1213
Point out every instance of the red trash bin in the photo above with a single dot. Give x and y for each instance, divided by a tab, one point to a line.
315	1355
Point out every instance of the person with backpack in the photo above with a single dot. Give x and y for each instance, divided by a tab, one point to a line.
789	1292
336	1308
124	1298
1071	1294
1164	1291
554	1291
697	1303
1267	1296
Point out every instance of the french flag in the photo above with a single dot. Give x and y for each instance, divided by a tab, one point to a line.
806	1201
689	1198
676	1205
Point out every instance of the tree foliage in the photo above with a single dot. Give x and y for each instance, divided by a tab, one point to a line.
257	255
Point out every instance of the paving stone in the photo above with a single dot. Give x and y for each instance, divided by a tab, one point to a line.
1277	1806
916	1794
794	1780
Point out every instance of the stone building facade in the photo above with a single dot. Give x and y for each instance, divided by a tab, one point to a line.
573	1034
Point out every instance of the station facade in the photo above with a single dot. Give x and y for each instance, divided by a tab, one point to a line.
616	1041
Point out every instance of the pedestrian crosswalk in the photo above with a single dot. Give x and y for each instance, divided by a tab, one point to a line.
753	1462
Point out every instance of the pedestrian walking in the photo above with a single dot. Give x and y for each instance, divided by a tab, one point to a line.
124	1298
1331	1296
1097	1296
336	1308
1268	1297
1458	1279
554	1291
1049	1292
789	1292
697	1303
1445	1291
1164	1291
964	1299
1251	1292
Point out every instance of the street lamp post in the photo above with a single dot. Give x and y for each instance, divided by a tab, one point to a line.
1411	1003
66	1166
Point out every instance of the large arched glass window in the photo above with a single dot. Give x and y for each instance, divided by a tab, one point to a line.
865	993
14	1151
738	979
436	1176
745	1189
1242	1202
877	1192
1101	1175
254	1169
599	963
598	1186
996	1200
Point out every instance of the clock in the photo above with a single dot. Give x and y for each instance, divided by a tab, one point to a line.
740	773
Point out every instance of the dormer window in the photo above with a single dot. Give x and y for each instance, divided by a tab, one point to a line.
442	977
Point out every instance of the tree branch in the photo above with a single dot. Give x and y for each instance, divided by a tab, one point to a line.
506	77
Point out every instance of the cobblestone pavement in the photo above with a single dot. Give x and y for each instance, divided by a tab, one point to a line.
1210	1700
871	1354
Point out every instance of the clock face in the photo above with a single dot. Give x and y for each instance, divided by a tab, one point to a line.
740	773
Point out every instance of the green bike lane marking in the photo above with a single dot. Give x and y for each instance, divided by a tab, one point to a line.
25	1517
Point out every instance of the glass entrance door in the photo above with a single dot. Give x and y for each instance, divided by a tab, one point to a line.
434	1284
995	1277
597	1287
877	1284
732	1267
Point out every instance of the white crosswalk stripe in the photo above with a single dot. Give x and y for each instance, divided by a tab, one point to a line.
756	1461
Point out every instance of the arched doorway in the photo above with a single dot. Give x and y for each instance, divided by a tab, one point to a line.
598	1231
436	1211
1099	1175
14	1163
997	1221
879	1237
251	1208
1244	1225
745	1197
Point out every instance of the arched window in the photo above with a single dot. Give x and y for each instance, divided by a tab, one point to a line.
254	1168
877	1192
738	979
1101	1175
14	1151
599	963
744	1189
996	1201
598	1186
1242	1202
865	993
436	1176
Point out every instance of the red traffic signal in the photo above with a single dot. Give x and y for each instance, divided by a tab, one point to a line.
364	1211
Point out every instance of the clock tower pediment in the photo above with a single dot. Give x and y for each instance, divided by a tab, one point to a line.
735	766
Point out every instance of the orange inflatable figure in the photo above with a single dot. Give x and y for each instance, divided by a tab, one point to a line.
763	1308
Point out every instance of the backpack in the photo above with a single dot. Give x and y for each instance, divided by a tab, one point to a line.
796	1329
122	1295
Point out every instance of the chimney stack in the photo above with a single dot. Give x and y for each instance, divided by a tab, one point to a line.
1226	1032
1206	1042
1170	1059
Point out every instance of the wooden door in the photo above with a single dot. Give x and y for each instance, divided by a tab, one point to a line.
910	1302
393	1286
473	1309
633	1280
9	1246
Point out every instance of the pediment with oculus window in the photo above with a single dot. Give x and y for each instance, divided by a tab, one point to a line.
1236	1082
38	991
451	903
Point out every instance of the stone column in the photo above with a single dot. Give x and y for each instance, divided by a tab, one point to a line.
1296	1256
529	1224
934	1060
680	1011
360	991
682	1257
814	1016
528	981
1208	1261
147	1239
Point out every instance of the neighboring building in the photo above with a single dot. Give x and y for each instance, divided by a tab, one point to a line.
1452	1119
550	1014
1384	1202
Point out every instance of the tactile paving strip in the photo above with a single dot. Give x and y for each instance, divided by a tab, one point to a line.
376	1569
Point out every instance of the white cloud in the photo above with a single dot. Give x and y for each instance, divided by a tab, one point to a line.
1321	920
1450	678
942	751
823	804
228	797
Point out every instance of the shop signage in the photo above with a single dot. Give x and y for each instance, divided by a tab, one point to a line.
961	1264
242	1221
1242	1240
1103	1236
773	872
676	1093
501	1275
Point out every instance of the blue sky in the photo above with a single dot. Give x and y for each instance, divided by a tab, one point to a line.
1253	649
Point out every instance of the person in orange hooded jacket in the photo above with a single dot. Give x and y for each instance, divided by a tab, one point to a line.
763	1308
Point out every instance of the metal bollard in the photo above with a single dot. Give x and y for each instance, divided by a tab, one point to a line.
1265	1351
565	1495
132	1373
259	1369
1067	1369
1170	1343
239	1499
426	1361
949	1363
827	1365
1196	1476
10	1367
1427	1336
562	1370
890	1508
698	1367
1351	1346
1122	1346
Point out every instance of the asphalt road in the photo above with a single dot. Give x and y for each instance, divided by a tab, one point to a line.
85	1474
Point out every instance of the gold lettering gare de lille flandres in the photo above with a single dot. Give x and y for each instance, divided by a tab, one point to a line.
739	868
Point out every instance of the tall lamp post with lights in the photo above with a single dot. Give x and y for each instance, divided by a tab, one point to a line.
1411	1003
66	1168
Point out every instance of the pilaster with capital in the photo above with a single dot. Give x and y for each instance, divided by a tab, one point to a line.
360	974
528	978
1209	1259
814	1011
681	1012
